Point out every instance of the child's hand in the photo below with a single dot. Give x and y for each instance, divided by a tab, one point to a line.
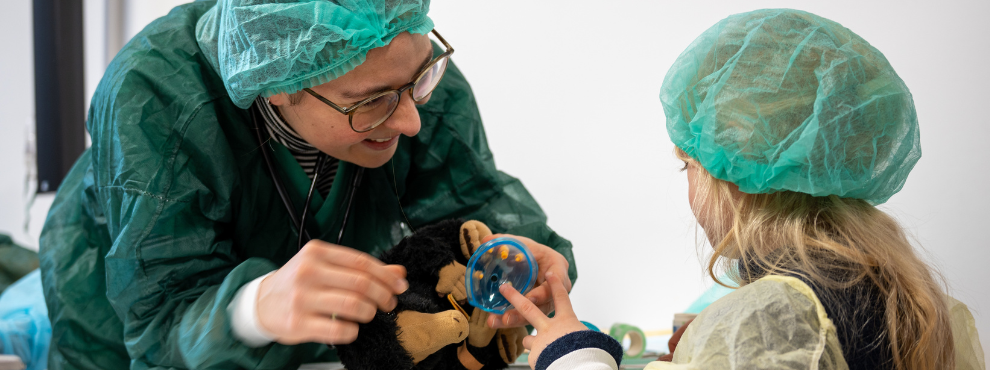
548	260
547	329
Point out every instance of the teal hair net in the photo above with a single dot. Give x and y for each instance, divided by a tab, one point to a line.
266	47
779	99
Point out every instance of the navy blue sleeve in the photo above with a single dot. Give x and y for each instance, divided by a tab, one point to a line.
578	340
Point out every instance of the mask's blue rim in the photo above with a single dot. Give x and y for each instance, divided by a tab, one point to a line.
469	279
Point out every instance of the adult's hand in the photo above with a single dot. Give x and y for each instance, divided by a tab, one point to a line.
547	330
324	291
548	260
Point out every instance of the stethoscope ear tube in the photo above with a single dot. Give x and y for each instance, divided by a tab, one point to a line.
298	221
282	193
350	199
321	159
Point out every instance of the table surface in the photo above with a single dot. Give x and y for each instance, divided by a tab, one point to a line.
338	366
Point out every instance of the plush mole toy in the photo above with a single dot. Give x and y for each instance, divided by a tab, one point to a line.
433	327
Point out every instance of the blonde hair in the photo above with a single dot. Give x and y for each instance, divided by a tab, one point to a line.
836	243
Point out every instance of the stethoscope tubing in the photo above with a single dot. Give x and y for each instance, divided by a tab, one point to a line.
284	194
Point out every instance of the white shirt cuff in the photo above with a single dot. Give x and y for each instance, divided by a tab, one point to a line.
585	359
243	311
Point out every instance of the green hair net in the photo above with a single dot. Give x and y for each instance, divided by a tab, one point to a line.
779	99
266	47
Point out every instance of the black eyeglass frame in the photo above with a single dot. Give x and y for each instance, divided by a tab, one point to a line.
350	111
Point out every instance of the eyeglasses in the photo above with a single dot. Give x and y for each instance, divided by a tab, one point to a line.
371	112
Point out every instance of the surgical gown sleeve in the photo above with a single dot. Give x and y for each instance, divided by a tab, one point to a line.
969	352
172	269
774	323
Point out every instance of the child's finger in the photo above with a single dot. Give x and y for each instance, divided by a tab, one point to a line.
524	307
510	319
561	301
528	342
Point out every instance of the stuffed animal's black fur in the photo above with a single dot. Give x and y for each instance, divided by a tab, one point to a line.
423	254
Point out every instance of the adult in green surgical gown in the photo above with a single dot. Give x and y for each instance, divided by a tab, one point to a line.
172	212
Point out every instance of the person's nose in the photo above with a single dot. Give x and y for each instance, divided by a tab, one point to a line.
405	119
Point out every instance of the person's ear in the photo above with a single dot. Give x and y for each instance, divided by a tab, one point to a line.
279	100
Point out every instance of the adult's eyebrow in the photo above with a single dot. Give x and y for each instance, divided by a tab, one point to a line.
360	95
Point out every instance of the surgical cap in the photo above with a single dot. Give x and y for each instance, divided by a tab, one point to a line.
267	47
784	100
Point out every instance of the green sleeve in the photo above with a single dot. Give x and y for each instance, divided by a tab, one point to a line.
175	190
15	262
173	268
452	173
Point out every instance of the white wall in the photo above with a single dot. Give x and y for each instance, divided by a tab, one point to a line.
569	93
24	213
17	218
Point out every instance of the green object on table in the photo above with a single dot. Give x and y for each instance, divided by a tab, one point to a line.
591	326
637	339
15	261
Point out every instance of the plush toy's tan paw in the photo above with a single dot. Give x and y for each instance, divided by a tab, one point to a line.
481	334
510	343
422	334
472	232
452	281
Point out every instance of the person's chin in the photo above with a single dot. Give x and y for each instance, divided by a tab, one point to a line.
373	159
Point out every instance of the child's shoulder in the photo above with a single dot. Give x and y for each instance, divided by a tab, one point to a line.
771	292
773	318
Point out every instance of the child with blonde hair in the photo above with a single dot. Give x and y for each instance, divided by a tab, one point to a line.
792	129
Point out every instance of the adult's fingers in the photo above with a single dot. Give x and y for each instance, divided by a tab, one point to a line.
547	258
524	307
398	270
552	261
343	305
357	260
360	283
331	331
540	295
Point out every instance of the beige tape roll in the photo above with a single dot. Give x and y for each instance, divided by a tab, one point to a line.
637	339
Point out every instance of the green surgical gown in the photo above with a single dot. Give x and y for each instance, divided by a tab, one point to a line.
171	210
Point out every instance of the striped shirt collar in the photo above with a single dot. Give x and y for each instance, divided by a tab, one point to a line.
282	132
304	153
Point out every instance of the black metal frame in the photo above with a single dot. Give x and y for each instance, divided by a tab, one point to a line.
59	91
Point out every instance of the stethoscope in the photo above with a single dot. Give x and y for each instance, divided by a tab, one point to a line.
300	221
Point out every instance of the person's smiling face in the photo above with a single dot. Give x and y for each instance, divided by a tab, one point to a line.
385	68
